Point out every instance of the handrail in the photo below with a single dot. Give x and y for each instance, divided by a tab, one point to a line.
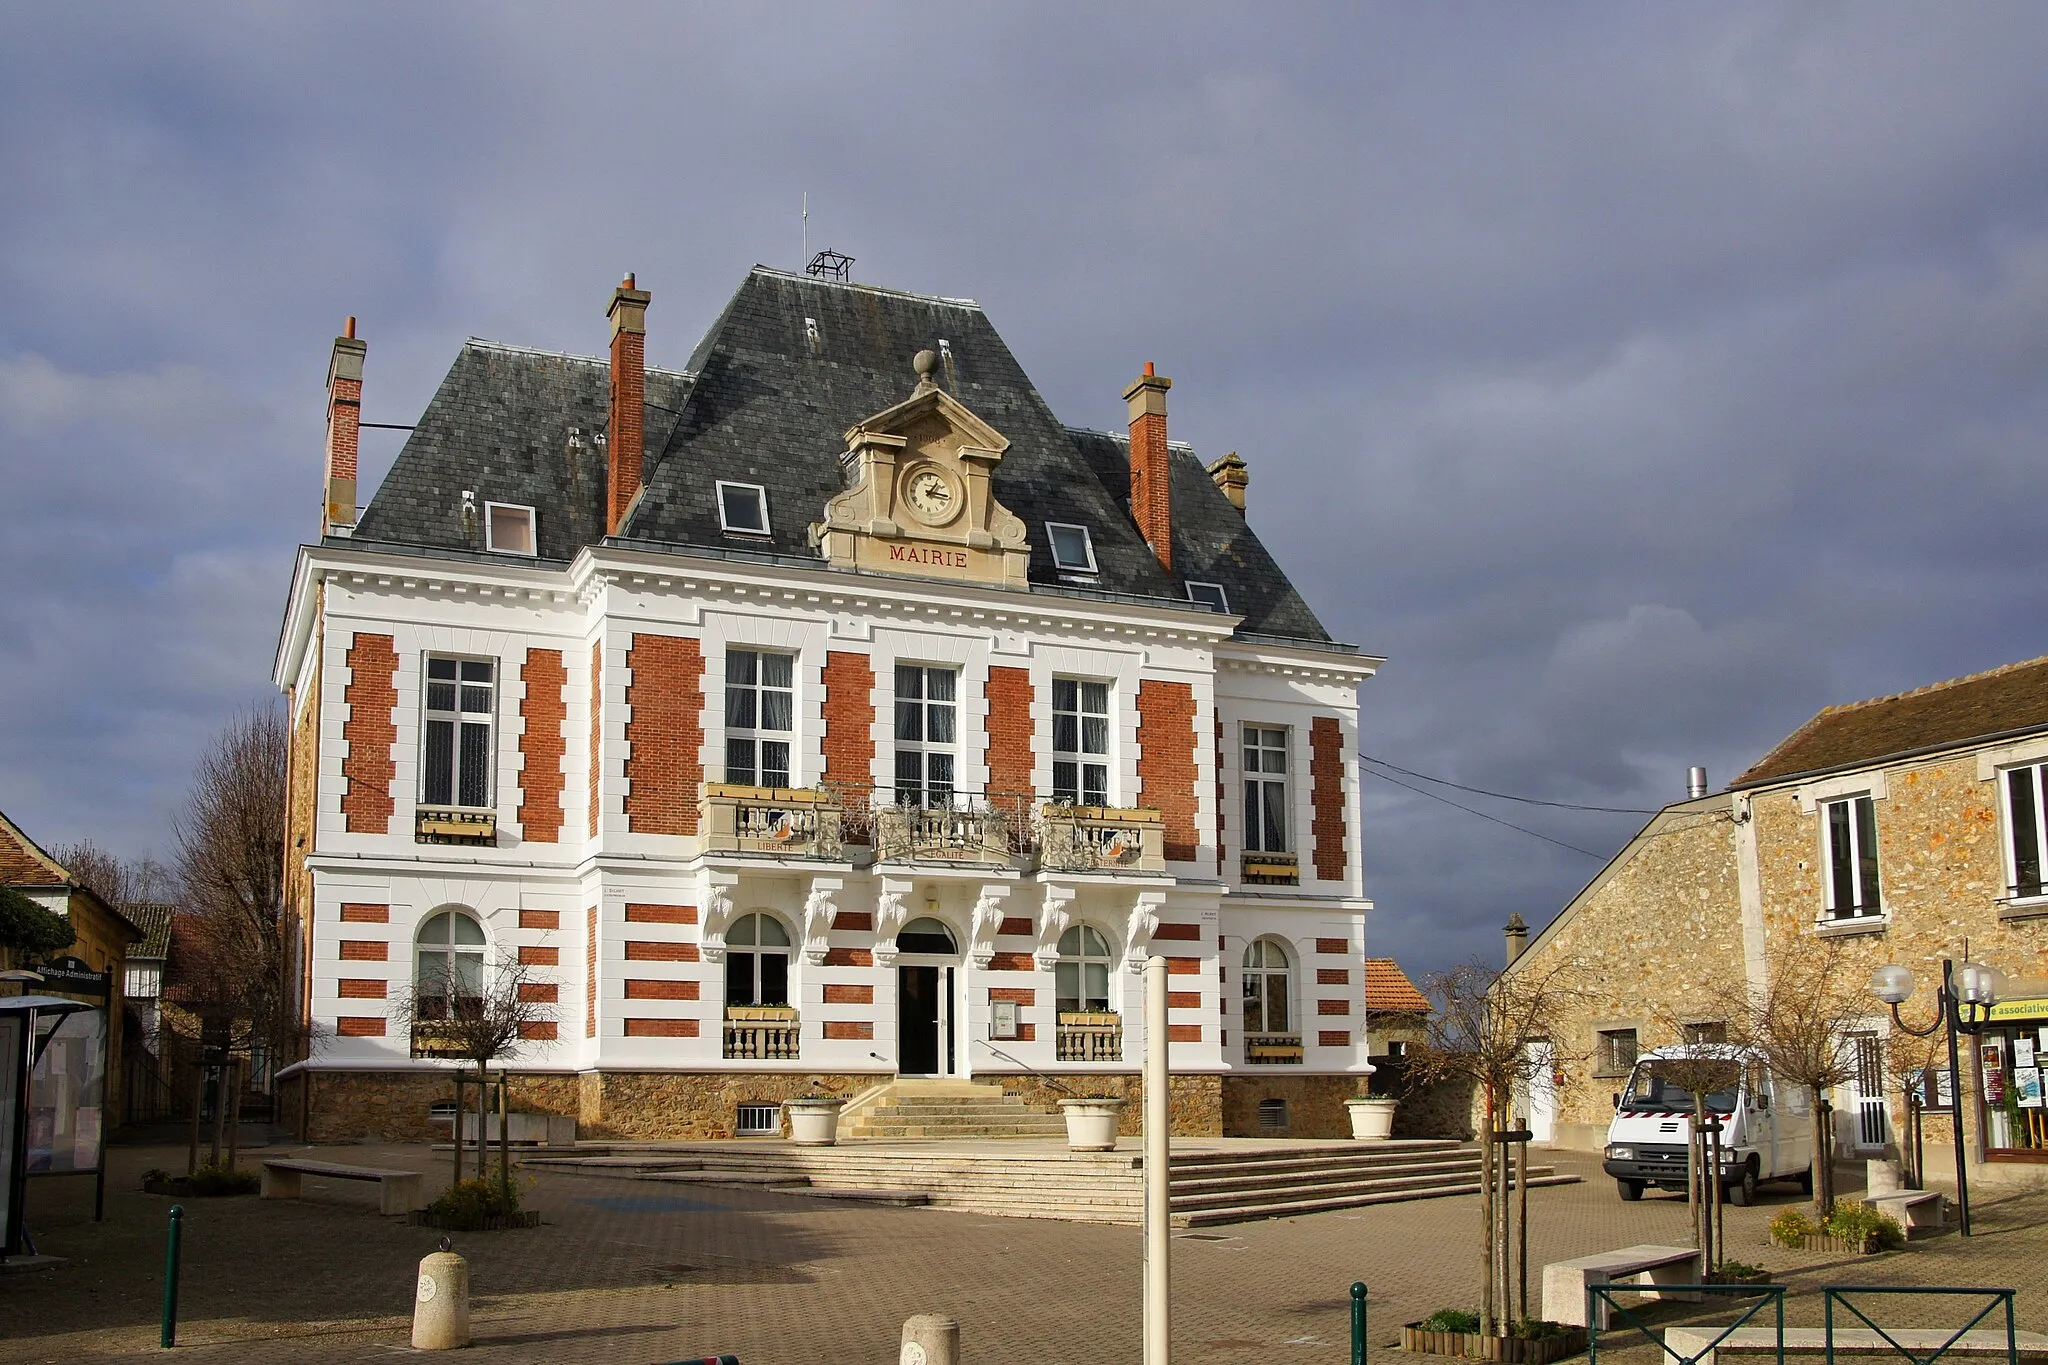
1050	1082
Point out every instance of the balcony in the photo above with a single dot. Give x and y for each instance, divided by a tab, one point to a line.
1271	869
454	825
772	822
1273	1049
1101	839
761	1033
1091	1036
969	831
430	1039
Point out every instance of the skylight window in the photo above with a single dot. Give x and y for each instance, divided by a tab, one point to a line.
743	507
1072	551
1210	595
508	528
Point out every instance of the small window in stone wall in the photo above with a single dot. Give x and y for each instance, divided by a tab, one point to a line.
1709	1031
760	1120
1272	1115
1614	1052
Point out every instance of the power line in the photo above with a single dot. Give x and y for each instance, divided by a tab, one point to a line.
1494	818
1504	796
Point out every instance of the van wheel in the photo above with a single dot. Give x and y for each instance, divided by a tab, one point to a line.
1806	1181
1743	1192
1631	1190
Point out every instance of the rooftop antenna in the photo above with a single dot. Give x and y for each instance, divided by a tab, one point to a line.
830	265
807	222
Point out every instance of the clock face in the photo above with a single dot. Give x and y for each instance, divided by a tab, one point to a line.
930	495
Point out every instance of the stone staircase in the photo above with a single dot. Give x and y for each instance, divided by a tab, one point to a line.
1210	1186
944	1109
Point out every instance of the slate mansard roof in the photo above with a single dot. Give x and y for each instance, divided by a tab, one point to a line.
1999	702
769	393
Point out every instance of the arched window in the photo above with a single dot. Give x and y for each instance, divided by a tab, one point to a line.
1080	979
1268	988
448	961
926	935
757	961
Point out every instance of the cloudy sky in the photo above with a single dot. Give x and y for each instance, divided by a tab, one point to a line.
1638	379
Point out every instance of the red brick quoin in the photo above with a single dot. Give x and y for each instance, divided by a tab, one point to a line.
542	745
369	733
1009	732
849	719
1326	771
1166	760
664	735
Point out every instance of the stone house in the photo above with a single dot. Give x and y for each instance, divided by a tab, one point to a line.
102	936
1909	826
822	713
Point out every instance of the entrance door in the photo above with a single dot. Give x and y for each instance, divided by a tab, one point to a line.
917	1020
1871	1101
1542	1093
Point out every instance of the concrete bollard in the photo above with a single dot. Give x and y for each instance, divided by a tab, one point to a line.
929	1339
440	1308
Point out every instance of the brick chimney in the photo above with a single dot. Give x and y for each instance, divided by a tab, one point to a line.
344	430
1151	502
628	315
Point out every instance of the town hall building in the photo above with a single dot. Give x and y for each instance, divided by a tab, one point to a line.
819	715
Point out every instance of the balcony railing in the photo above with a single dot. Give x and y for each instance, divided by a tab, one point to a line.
969	829
779	822
1271	869
1101	838
1273	1049
761	1033
1092	1036
454	825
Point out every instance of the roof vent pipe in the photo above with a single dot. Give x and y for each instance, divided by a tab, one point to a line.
1516	933
1695	783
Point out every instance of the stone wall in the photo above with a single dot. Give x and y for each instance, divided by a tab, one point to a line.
392	1106
1315	1104
659	1105
1194	1102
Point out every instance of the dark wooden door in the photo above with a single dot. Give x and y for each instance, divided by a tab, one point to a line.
917	1021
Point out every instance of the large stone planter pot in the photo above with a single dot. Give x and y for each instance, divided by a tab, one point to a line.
813	1123
1371	1120
1092	1123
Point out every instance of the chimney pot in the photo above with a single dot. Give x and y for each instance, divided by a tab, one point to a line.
350	330
1516	933
1695	782
1151	496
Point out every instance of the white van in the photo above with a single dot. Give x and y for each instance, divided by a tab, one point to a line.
1766	1128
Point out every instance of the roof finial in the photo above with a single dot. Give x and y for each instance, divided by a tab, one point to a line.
924	362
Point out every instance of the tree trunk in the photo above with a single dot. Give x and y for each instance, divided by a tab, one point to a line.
1522	1226
455	1128
1487	1319
483	1110
504	1139
1823	1155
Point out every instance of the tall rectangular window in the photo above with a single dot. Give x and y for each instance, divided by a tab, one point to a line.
455	767
2025	810
926	701
1852	857
1080	742
1265	789
760	714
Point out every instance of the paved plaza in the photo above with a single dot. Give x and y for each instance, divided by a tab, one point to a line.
625	1272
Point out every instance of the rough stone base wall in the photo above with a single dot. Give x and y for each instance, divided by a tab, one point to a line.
1315	1105
656	1105
392	1106
1440	1109
1194	1103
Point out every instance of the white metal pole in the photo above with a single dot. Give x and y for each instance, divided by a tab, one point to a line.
1158	1215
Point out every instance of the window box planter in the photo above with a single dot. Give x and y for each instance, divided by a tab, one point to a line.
494	1222
813	1122
1372	1120
1566	1341
1092	1123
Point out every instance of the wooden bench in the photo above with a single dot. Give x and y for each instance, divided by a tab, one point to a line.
1565	1282
1691	1341
398	1192
1914	1209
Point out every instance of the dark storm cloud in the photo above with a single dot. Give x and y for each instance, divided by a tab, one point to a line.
1637	379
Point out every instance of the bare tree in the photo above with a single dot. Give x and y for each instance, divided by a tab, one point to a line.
1800	1021
117	881
231	864
1711	1068
1486	1030
481	1015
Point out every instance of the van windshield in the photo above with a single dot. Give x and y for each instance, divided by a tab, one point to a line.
1656	1085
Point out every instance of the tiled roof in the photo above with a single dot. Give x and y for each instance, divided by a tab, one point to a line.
22	863
153	918
767	397
1999	702
1389	991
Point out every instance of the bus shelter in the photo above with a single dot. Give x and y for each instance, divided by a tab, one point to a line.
28	1026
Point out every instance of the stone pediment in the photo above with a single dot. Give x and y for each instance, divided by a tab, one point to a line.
920	498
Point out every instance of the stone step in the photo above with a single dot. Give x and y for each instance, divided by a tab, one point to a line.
910	1131
1328	1203
1181	1185
1228	1196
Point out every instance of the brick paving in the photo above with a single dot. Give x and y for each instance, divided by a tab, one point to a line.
625	1272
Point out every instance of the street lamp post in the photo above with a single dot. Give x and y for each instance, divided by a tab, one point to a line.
1974	989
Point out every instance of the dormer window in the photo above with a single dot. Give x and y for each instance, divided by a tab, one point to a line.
743	508
1072	551
508	529
1210	595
